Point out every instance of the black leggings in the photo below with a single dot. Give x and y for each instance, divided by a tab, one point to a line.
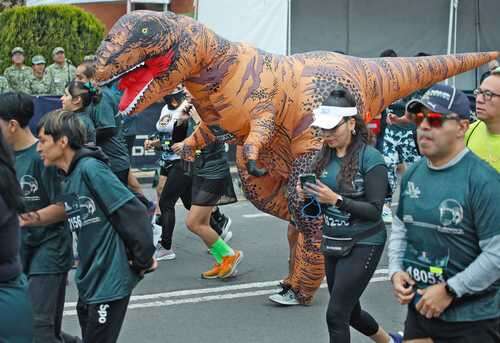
178	185
347	279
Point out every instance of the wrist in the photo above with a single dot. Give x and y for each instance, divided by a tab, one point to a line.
338	201
450	291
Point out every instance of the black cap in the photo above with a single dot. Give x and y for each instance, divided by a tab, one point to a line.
442	99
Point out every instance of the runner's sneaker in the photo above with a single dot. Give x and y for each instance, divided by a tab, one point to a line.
229	264
387	214
212	273
164	254
396	337
285	297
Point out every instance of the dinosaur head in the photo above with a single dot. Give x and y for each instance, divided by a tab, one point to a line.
142	50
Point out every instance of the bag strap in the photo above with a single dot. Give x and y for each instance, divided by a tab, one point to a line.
468	138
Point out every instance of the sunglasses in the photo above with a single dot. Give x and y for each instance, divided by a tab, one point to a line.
435	120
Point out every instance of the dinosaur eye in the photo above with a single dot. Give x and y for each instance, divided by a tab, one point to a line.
145	30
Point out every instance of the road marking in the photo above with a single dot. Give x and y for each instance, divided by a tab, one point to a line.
188	299
256	215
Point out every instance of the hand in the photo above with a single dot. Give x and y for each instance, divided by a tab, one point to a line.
178	148
321	192
151	269
28	219
403	287
434	301
300	191
147	144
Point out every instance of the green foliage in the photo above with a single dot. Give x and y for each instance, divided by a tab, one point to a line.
39	29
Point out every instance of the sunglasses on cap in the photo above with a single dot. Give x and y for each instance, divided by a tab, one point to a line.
435	120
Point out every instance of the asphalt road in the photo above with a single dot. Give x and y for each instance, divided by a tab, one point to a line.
175	305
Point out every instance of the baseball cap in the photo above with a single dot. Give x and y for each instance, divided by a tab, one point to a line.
57	50
442	99
38	59
327	117
17	49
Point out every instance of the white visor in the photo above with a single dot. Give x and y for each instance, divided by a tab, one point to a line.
327	117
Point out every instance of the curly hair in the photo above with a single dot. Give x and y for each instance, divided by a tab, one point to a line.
349	165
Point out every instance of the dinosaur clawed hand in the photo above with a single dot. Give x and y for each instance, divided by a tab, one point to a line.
254	170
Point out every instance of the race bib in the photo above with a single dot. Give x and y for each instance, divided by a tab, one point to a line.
425	268
72	208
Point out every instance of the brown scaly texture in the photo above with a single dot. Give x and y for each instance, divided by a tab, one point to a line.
263	102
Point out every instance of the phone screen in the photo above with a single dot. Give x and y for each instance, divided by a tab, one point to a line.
304	178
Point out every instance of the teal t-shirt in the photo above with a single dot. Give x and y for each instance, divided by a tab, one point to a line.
338	223
44	250
104	273
446	213
85	117
104	117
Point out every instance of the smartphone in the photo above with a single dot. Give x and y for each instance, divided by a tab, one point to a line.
311	178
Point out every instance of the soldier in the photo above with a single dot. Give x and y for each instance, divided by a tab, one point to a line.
4	85
17	73
60	73
38	83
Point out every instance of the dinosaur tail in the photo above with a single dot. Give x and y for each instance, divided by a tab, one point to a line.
384	80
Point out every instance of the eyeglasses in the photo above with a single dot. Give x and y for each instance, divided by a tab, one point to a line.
333	130
435	120
488	95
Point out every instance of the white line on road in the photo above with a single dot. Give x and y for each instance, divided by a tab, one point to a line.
195	300
256	215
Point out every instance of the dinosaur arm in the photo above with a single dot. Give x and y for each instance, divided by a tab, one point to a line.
262	129
199	139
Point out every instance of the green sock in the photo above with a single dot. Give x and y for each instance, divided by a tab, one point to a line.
220	249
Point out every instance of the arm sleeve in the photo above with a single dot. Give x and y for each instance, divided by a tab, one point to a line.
375	192
132	225
104	134
481	273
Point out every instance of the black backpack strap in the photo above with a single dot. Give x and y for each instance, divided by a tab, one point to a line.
468	138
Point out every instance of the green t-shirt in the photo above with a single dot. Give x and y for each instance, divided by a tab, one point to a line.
484	144
85	117
446	213
104	117
104	273
338	223
44	250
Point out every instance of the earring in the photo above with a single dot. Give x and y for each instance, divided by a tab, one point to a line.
353	132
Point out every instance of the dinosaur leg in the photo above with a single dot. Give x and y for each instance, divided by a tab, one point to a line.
308	267
267	192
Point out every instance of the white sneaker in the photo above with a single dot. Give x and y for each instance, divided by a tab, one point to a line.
226	235
287	298
387	214
164	254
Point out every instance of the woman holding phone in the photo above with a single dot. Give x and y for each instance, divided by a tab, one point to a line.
351	186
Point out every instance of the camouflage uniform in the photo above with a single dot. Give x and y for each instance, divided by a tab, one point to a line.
36	86
4	85
59	76
17	77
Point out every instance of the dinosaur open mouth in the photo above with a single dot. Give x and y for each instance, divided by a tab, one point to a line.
136	81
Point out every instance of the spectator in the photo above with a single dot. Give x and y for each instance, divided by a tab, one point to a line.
38	83
4	85
492	65
60	73
17	73
483	136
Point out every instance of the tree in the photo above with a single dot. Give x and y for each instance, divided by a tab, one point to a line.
39	29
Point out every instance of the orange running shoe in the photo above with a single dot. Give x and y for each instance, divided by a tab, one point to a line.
212	273
229	264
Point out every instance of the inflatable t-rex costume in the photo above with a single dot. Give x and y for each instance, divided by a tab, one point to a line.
261	102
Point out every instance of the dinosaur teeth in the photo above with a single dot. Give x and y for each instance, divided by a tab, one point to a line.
131	107
121	74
